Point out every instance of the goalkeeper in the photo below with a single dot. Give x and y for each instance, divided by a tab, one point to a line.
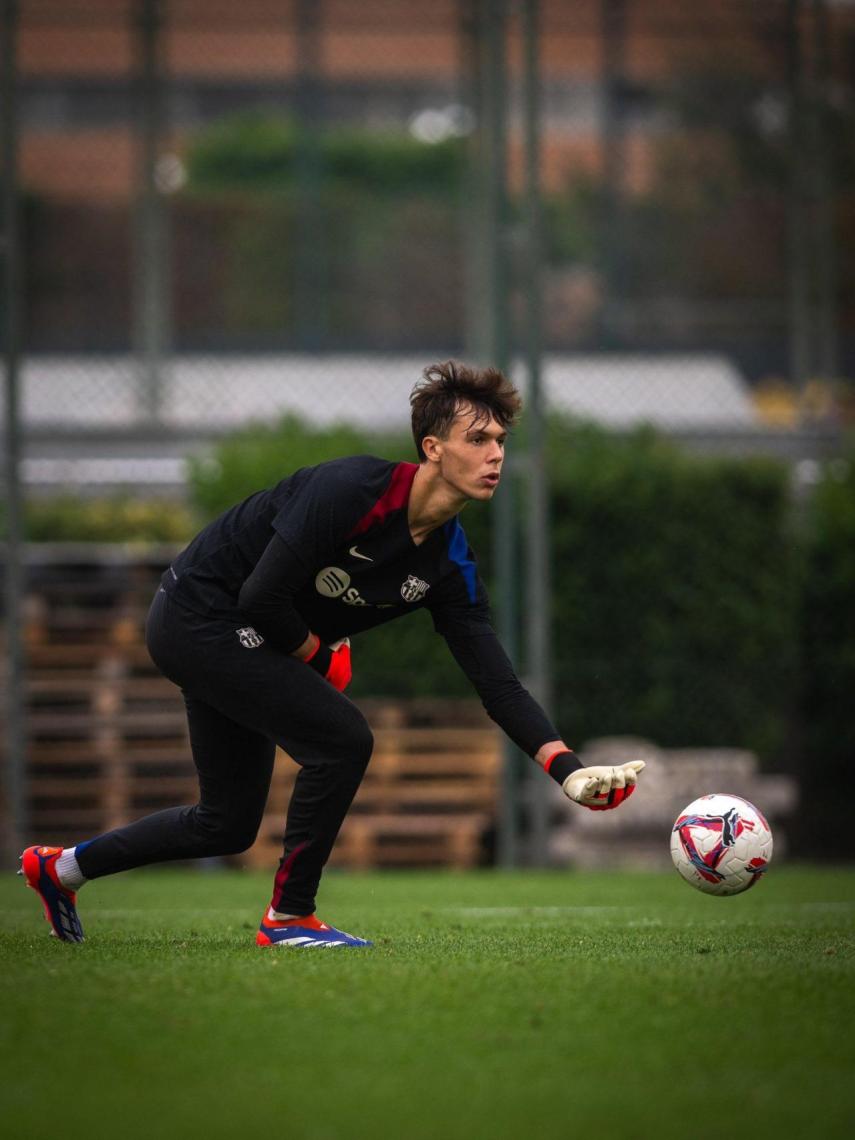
253	620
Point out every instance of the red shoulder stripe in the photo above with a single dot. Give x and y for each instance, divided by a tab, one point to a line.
395	496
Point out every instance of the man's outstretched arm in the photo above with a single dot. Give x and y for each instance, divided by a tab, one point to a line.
513	708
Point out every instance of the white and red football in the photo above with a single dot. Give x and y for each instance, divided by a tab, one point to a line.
721	844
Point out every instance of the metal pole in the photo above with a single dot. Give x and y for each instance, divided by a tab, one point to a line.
15	767
310	296
798	211
497	338
151	304
538	586
824	199
471	87
496	205
611	237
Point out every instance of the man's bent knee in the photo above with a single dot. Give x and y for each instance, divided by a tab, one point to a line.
234	844
222	836
350	741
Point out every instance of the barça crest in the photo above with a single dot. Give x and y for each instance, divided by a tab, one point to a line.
249	638
414	589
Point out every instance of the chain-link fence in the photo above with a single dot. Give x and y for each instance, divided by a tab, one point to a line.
233	213
216	198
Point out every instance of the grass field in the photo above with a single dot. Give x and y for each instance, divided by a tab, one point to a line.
494	1005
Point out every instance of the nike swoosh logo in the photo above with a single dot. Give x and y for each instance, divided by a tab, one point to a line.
354	553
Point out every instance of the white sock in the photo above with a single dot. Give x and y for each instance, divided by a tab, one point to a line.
277	916
68	871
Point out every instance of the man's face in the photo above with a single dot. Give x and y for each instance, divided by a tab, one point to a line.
470	458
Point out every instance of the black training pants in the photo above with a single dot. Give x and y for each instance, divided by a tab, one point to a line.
242	701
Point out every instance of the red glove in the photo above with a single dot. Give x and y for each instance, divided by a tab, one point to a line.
340	672
332	662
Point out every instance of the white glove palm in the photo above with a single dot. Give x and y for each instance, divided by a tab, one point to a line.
602	787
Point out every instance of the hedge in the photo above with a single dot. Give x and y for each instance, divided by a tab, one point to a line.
260	455
114	518
260	151
676	583
827	736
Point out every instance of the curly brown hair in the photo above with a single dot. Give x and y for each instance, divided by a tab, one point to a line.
443	388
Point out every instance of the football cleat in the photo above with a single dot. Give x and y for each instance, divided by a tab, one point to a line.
304	933
38	866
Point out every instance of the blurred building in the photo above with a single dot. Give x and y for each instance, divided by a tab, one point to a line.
383	63
666	133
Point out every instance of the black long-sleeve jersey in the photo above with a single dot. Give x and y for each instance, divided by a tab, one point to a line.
329	549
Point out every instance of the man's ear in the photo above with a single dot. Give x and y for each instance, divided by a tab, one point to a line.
432	448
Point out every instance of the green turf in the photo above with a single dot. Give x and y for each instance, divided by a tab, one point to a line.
494	1005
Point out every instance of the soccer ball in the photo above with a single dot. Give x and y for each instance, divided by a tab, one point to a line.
721	844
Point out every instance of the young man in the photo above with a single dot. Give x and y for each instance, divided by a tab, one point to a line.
253	622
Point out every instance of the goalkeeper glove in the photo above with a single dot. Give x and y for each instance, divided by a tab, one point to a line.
333	663
600	788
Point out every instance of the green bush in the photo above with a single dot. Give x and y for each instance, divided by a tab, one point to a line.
116	518
260	455
257	151
675	593
243	151
828	736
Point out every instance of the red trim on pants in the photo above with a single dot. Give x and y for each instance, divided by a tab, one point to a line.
284	872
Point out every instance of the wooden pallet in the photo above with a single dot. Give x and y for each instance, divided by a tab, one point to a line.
406	840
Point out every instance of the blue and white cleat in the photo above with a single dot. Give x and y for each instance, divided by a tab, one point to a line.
304	933
38	866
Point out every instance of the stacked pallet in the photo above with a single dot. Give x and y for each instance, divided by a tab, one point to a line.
107	736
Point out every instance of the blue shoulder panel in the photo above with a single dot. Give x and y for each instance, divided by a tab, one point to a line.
458	552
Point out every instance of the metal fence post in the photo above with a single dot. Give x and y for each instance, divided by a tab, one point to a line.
471	94
311	304
613	18
823	183
152	308
798	257
538	585
15	771
497	350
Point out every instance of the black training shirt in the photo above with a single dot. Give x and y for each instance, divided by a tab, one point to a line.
329	549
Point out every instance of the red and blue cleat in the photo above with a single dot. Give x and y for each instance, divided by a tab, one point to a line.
304	933
38	866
